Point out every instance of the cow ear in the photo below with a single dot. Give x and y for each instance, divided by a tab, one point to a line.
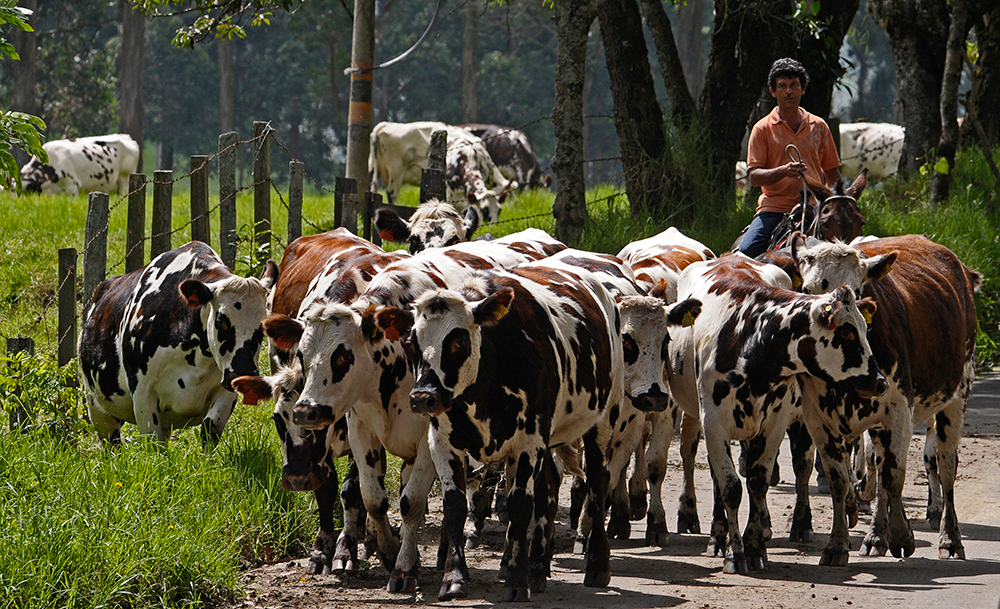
828	314
270	275
548	180
395	322
252	388
471	198
471	222
684	313
660	290
878	267
493	308
858	185
867	307
283	330
196	293
390	226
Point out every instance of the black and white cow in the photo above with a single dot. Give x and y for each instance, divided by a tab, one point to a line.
433	224
739	366
511	153
83	164
160	346
924	338
534	365
877	146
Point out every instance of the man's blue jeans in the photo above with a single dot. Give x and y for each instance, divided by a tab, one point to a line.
758	235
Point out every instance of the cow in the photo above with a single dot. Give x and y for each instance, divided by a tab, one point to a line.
83	164
433	224
924	338
657	262
160	346
876	146
399	153
511	153
739	366
535	364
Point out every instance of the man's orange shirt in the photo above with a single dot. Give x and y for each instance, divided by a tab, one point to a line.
766	150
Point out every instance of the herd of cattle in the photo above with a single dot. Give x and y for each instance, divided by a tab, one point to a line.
522	356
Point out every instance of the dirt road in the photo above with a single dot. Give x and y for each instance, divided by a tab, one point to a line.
681	575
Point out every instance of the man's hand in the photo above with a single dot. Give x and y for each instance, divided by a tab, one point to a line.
765	177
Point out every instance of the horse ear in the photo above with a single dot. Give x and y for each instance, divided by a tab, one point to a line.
820	191
858	185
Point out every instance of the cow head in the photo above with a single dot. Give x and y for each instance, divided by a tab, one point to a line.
447	337
836	348
307	454
646	321
35	174
825	265
232	310
346	357
434	224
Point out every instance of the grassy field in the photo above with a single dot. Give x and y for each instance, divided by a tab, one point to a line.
171	526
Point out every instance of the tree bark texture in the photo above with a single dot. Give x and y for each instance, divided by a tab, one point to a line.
986	90
470	61
24	71
689	43
573	21
132	119
668	53
821	55
227	98
954	54
637	115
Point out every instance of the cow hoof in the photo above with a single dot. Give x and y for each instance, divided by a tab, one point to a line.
637	506
319	564
538	584
657	534
934	519
756	562
619	527
688	523
471	542
865	507
716	547
801	534
735	564
597	579
341	567
946	552
834	558
580	545
452	590
516	594
905	549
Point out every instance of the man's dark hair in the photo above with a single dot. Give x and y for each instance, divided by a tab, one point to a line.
787	68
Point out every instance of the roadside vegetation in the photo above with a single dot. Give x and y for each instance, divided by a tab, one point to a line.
148	525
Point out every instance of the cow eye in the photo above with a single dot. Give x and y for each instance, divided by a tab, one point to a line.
630	349
459	345
847	334
222	323
345	359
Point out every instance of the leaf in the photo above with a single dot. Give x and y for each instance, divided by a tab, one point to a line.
942	166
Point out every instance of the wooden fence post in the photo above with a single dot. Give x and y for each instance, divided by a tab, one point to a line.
67	305
19	415
163	193
135	233
372	199
432	184
296	170
201	229
345	197
95	244
262	188
228	143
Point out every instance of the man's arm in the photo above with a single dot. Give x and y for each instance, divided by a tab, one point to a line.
759	176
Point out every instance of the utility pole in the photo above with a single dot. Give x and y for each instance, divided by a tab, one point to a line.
359	122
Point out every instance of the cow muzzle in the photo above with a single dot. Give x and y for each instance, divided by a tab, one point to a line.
309	415
873	384
301	483
651	401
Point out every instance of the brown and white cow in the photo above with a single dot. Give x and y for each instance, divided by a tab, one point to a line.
433	224
83	164
511	153
534	365
160	346
399	153
739	367
923	338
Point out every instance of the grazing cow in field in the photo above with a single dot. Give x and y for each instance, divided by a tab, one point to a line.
83	164
534	365
511	153
433	224
876	146
739	365
160	346
923	338
399	153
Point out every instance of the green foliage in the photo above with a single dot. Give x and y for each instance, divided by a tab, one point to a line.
16	128
43	392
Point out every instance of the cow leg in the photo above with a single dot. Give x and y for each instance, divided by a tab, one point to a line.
412	509
761	455
370	458
450	467
326	500
948	431
217	416
890	528
148	418
345	556
687	505
655	461
579	495
803	455
598	557
521	509
935	497
108	427
729	494
480	496
626	436
546	496
637	489
619	525
833	453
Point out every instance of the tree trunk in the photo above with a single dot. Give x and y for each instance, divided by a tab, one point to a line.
917	32
227	98
132	119
821	56
24	72
573	20
668	54
470	60
986	91
689	43
638	116
334	69
359	126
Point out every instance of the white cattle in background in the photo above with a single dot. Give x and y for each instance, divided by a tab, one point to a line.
83	164
877	146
